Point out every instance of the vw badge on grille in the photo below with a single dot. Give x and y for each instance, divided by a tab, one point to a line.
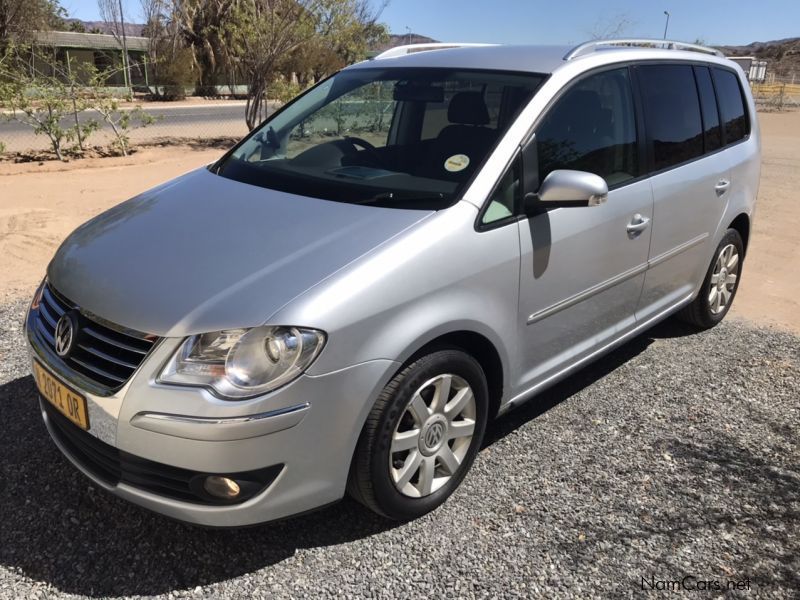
66	332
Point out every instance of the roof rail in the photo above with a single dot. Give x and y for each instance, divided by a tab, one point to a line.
595	45
412	48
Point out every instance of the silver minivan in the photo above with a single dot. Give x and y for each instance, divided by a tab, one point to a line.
417	244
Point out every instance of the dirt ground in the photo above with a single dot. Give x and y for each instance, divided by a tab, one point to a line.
41	203
770	288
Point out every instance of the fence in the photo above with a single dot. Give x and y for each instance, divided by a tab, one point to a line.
193	120
222	121
777	93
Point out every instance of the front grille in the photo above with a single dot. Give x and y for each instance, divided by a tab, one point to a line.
105	355
112	466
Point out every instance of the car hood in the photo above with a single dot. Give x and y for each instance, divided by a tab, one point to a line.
205	253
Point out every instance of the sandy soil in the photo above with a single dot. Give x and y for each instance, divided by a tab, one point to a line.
41	204
770	288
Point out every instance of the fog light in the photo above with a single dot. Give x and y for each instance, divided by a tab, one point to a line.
221	487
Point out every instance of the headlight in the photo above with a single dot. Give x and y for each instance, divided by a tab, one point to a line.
242	363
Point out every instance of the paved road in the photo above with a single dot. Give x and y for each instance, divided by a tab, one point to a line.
674	459
184	121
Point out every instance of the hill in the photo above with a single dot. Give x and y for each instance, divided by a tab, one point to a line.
132	29
782	56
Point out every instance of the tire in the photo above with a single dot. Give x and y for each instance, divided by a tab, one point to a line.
378	475
714	299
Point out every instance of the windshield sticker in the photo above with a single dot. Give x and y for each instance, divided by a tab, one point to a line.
456	163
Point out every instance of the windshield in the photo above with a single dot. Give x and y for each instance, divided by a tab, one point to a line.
405	138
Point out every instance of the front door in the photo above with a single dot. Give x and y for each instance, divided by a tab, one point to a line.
583	269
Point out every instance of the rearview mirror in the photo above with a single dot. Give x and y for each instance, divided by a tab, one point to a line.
414	92
564	187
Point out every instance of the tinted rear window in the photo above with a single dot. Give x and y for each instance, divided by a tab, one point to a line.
731	105
708	104
672	113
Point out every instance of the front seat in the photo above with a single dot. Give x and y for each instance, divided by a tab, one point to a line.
467	135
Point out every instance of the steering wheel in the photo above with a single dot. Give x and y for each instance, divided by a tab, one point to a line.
357	141
372	151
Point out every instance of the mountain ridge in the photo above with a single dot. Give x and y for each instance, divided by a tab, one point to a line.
782	56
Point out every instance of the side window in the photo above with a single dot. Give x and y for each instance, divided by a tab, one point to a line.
503	199
672	113
708	105
731	105
592	127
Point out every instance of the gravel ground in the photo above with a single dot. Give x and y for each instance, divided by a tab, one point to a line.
677	455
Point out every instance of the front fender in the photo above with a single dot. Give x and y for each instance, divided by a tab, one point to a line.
440	277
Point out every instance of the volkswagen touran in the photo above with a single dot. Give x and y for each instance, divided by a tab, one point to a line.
417	244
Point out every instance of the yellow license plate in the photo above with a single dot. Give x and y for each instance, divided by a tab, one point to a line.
68	402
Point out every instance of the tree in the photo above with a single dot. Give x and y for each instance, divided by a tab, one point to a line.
20	18
204	25
265	33
610	28
321	56
171	62
111	12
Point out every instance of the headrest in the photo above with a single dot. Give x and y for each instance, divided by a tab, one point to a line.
468	108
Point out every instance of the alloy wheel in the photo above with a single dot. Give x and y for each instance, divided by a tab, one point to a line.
432	436
723	279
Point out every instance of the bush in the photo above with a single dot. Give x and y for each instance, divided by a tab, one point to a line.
174	73
283	90
121	120
41	105
43	99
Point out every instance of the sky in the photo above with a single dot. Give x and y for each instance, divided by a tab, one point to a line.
718	22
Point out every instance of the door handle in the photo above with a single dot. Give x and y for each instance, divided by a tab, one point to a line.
722	186
637	225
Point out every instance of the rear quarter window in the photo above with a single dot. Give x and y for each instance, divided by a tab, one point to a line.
731	105
672	113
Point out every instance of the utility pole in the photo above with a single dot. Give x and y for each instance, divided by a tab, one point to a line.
666	26
126	68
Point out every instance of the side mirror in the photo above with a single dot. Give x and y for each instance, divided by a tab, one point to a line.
564	187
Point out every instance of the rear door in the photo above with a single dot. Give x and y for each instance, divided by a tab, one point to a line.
690	180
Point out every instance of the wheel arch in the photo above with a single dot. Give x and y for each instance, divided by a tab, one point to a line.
481	349
742	224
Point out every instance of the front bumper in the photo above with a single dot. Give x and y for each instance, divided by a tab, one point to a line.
307	430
